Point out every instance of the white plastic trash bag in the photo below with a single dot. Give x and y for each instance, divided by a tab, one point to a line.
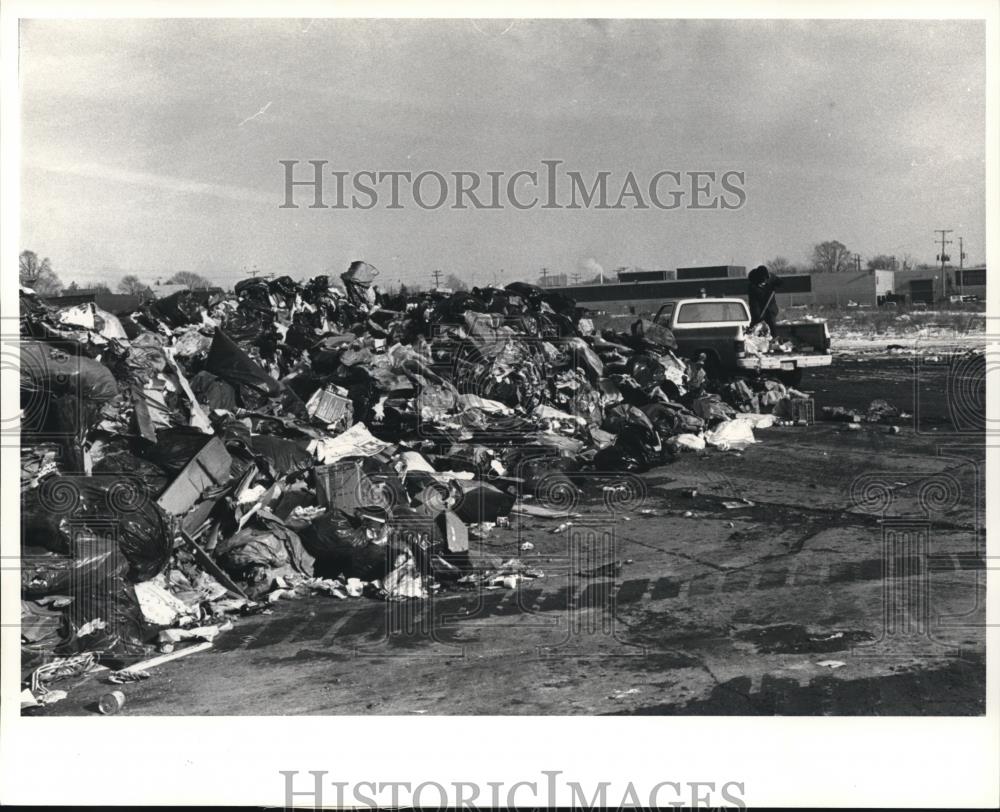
689	442
731	435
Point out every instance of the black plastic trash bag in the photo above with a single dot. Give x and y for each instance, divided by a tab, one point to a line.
178	309
227	361
543	474
479	502
326	535
636	449
50	372
139	525
66	511
301	333
62	394
176	447
263	551
361	390
143	532
249	324
255	289
213	392
531	294
124	462
341	546
621	415
283	286
112	618
664	417
132	330
739	395
712	409
283	456
93	560
645	370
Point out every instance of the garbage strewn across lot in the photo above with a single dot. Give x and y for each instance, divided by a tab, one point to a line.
207	456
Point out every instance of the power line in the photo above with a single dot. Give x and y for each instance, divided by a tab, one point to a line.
437	279
943	257
255	272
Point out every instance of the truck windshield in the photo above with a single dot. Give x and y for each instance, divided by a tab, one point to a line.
695	312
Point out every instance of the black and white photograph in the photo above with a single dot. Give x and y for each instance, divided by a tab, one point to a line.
425	367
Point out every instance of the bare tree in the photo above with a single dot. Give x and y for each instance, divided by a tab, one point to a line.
133	286
881	262
831	257
36	275
453	282
780	265
191	279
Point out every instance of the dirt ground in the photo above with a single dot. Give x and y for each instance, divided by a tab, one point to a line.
853	584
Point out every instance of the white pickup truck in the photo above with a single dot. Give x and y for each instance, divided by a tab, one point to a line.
718	328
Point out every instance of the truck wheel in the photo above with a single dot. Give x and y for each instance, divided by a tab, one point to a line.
793	378
712	367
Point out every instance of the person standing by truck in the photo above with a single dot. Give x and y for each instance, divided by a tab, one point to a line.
761	297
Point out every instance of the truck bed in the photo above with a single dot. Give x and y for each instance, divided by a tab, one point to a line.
807	336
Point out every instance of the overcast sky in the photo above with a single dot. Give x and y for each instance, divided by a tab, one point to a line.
144	151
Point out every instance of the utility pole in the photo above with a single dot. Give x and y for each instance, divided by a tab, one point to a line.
575	277
961	266
255	272
943	257
545	274
857	263
437	279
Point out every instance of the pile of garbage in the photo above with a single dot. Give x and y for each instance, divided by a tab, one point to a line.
211	454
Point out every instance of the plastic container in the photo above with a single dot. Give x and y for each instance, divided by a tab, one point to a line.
803	410
340	485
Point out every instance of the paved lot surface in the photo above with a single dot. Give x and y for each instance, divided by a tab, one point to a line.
854	585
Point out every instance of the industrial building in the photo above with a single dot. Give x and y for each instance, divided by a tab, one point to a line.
554	280
640	292
122	303
868	288
911	286
929	285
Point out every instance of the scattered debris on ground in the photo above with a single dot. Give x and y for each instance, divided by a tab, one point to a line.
208	456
